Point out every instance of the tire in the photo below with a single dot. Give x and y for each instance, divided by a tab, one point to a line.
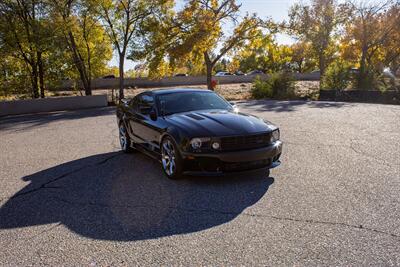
124	139
171	160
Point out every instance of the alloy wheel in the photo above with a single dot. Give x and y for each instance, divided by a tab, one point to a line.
168	157
122	137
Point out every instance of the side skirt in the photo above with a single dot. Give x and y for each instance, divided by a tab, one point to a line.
145	151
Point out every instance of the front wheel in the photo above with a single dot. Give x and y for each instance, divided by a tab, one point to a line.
171	159
124	139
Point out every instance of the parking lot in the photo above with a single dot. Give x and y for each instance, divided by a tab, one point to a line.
68	196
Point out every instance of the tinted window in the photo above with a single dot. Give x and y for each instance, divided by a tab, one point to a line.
147	100
190	101
145	103
134	103
142	103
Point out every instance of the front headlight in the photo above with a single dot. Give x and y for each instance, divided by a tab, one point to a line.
275	136
197	143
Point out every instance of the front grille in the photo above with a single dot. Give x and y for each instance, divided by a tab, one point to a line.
234	143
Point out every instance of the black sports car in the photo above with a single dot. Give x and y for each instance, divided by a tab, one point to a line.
195	131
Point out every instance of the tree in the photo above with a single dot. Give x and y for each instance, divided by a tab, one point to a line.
222	65
14	77
201	23
316	24
195	33
124	21
370	38
83	37
391	45
26	34
263	53
302	59
337	76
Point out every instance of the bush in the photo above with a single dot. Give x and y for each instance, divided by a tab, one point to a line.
337	76
375	80
261	89
278	85
369	80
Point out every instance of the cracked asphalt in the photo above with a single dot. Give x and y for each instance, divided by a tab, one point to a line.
68	196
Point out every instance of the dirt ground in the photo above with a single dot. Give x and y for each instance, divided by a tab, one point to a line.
231	92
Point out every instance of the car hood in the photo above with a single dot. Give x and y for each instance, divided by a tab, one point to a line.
219	123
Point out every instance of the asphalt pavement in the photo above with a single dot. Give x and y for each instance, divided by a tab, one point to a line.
68	196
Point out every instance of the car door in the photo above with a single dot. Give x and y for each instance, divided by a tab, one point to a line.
146	130
130	117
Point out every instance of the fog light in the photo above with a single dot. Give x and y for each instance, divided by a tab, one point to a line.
216	145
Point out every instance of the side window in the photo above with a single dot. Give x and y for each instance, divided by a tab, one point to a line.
134	103
145	104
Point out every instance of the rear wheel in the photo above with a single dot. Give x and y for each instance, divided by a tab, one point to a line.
124	139
171	160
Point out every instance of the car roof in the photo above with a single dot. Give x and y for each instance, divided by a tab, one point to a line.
178	90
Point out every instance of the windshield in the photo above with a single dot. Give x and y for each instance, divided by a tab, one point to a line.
190	101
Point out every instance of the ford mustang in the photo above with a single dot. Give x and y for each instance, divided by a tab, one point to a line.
196	132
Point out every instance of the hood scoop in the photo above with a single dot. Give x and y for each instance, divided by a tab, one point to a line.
194	116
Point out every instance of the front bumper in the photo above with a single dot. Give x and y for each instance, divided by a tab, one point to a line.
237	161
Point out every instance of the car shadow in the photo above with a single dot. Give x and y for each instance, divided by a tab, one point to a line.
122	197
30	121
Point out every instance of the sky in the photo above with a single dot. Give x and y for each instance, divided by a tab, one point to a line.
275	9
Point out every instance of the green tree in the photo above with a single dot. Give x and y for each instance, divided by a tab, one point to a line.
84	37
14	77
205	26
124	21
316	24
26	34
337	76
263	53
302	59
195	34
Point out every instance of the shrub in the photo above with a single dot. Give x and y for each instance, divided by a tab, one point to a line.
261	89
337	76
278	85
375	80
370	80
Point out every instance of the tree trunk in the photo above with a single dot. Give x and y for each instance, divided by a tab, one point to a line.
41	75
34	81
121	76
210	67
209	77
79	64
361	79
300	67
322	64
88	90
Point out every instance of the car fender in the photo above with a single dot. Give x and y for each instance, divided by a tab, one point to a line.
176	135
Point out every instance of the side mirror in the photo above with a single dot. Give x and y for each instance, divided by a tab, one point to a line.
153	115
235	108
